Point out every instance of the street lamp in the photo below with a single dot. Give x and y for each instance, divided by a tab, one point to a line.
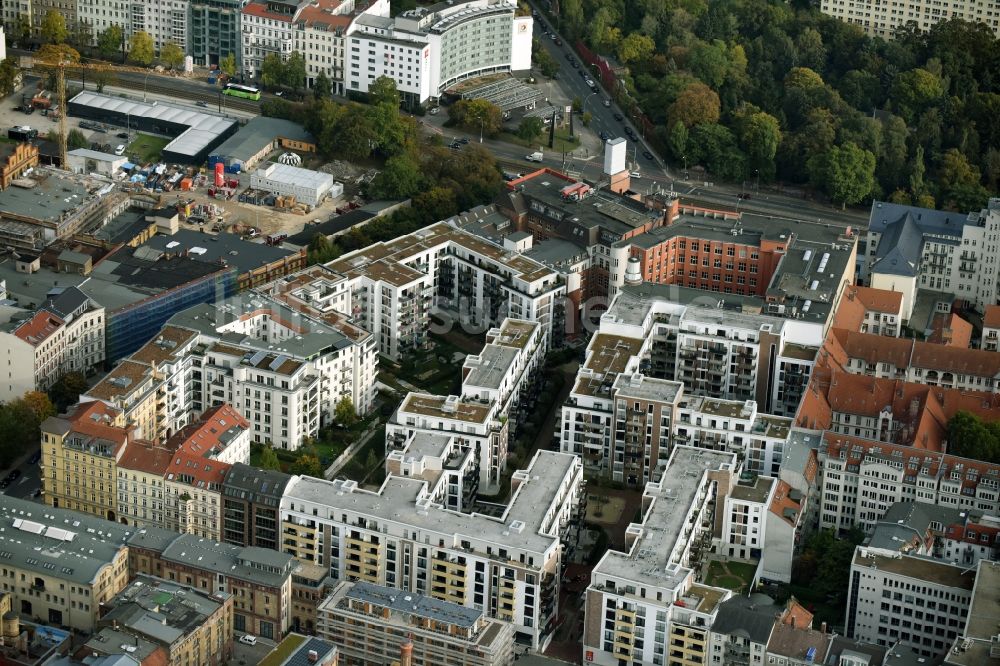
481	121
756	188
144	79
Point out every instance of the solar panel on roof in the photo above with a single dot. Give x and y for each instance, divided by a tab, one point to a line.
257	357
276	363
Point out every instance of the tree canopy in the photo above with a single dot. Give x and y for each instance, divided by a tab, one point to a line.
822	83
969	436
141	51
53	29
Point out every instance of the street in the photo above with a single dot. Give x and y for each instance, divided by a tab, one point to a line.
28	483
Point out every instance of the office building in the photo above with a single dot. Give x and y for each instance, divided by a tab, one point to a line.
66	334
214	32
251	506
469	280
508	566
192	626
60	565
644	604
428	50
978	643
258	580
941	532
915	601
910	249
881	20
372	622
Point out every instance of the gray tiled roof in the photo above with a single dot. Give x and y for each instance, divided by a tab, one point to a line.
749	617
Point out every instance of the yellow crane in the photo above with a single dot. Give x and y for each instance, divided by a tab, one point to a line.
59	57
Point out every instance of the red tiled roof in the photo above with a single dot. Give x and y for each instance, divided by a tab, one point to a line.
796	615
977	362
782	502
991	316
879	300
95	419
34	331
143	456
950	329
196	471
875	348
203	436
260	9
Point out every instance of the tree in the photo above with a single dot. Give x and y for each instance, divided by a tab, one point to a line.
83	36
846	173
269	459
76	139
295	71
9	76
22	30
272	70
710	62
697	104
399	179
67	389
636	48
955	171
917	170
103	77
141	49
914	90
383	91
529	128
803	78
543	60
40	405
586	118
344	412
109	41
476	114
228	65
322	87
53	29
677	140
437	203
307	465
760	136
969	436
172	56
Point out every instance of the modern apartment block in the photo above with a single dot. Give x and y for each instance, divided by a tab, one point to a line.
58	565
882	20
474	282
643	385
80	451
66	334
910	249
429	49
915	601
862	478
644	605
498	386
259	580
444	460
192	626
508	567
370	623
166	22
251	506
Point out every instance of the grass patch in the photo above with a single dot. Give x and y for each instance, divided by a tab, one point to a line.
563	143
147	148
737	576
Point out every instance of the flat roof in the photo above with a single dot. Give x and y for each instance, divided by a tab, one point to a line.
446	407
53	195
984	611
292	175
411	603
516	332
757	492
488	368
202	128
215	248
258	133
161	610
641	387
916	567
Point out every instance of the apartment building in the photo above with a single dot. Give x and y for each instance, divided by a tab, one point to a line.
370	623
429	49
66	334
298	649
870	310
910	249
978	643
882	20
644	605
470	281
498	387
744	517
311	584
278	28
141	473
259	580
214	31
941	532
60	565
991	328
165	22
39	8
754	629
507	566
80	452
251	506
450	468
861	478
915	601
192	626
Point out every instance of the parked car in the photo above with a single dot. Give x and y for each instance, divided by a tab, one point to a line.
122	135
619	117
120	150
635	174
201	103
248	639
35	457
648	155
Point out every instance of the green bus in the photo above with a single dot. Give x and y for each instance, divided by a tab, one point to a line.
246	92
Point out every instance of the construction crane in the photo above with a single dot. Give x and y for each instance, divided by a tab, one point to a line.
59	56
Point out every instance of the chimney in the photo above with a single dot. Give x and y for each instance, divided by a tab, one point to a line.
822	628
793	620
406	653
313	656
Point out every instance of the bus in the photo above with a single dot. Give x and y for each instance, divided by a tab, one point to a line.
246	92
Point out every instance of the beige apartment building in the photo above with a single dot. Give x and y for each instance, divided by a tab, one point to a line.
882	19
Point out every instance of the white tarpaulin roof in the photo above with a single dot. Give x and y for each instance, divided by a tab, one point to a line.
203	128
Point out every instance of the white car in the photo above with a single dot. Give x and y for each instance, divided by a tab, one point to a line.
635	174
248	639
120	150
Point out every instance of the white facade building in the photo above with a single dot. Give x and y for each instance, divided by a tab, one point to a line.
882	20
744	518
307	186
165	21
916	601
65	335
428	50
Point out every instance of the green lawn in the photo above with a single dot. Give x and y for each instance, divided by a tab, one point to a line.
147	148
563	142
736	576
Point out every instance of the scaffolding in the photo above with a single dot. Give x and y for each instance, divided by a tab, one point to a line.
508	94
